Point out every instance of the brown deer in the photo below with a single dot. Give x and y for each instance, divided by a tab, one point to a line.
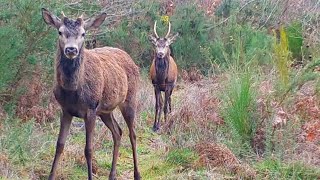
90	83
163	73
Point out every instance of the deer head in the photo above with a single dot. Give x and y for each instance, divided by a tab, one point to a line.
162	44
71	32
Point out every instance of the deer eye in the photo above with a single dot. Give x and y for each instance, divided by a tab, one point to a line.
60	33
83	34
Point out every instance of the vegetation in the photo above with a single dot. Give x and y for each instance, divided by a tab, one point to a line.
240	108
246	104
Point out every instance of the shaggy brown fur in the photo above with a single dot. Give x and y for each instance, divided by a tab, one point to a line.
106	76
90	83
171	73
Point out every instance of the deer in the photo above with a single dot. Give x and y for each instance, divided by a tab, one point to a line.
90	83
163	73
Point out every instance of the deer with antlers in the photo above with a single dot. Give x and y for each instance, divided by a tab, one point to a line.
163	73
90	83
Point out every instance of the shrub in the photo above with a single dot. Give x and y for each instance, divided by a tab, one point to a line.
239	108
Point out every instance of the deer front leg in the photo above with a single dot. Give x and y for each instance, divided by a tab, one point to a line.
89	124
158	108
65	122
116	131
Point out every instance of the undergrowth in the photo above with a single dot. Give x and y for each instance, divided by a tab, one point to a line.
250	75
239	109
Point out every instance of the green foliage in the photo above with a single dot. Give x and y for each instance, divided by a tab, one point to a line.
183	157
199	43
28	45
295	39
10	51
275	169
194	32
239	108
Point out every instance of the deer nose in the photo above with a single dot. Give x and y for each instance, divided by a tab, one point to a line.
71	50
160	54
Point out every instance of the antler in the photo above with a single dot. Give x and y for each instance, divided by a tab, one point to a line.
155	29
168	30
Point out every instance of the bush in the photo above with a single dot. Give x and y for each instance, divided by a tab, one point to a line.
28	46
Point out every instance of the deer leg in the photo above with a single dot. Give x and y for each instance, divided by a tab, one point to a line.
89	124
116	131
158	108
128	112
65	122
169	100
166	103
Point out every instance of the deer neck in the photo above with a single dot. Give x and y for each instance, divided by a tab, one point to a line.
69	71
162	67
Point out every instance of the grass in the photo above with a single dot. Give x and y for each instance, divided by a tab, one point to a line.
182	157
275	169
239	108
226	107
28	148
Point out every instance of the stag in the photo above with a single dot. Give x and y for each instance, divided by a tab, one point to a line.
90	83
163	73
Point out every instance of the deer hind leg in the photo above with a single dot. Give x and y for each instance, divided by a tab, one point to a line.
158	107
128	112
167	102
89	125
116	131
65	122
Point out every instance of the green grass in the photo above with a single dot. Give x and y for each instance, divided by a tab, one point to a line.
239	108
275	169
182	157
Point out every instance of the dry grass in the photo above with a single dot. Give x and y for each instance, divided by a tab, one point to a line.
30	103
197	102
309	153
219	156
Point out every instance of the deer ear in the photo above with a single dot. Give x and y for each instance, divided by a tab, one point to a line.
95	22
152	39
50	19
171	39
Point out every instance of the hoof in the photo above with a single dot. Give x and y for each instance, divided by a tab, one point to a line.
155	128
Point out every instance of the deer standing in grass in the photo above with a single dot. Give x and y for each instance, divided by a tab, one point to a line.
163	73
90	83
